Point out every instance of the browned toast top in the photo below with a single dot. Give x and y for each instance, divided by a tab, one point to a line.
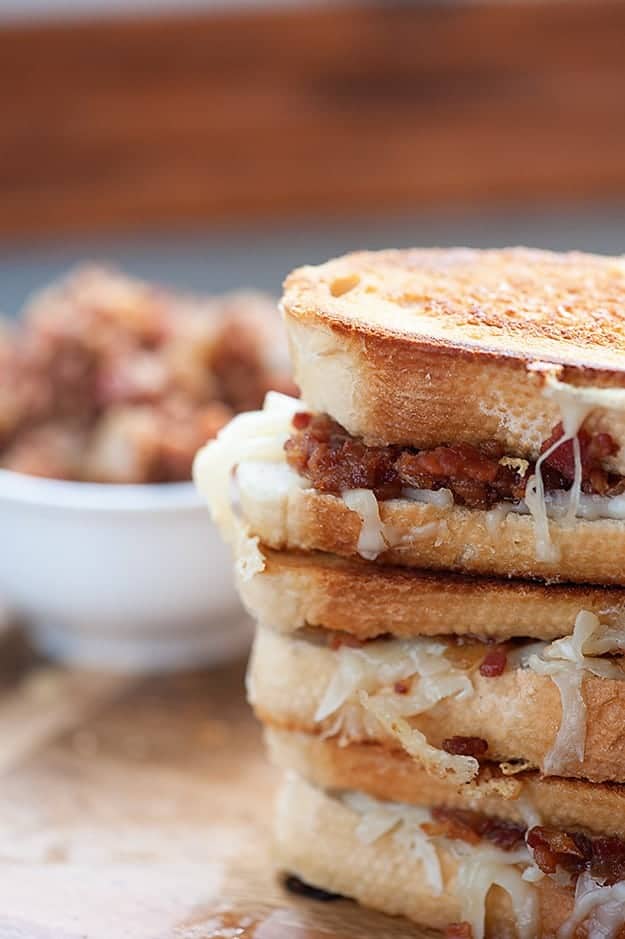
535	305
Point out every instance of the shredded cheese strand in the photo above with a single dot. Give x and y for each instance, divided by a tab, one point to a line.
479	866
600	908
404	824
438	762
487	867
362	685
575	405
566	661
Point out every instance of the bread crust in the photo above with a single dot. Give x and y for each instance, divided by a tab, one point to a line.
568	804
433	347
518	713
315	838
453	539
366	600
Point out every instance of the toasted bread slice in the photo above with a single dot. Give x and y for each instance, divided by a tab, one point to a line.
255	495
517	715
427	347
324	841
523	798
416	534
297	589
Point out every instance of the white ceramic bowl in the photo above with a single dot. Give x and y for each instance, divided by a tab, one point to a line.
123	577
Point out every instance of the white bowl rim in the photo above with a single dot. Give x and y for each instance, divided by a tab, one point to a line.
107	497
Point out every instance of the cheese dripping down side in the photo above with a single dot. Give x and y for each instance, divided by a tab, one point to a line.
479	867
484	867
255	437
575	404
362	686
567	661
375	537
599	908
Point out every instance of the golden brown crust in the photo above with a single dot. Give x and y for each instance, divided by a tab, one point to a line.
316	840
517	302
452	539
392	776
367	600
432	347
518	713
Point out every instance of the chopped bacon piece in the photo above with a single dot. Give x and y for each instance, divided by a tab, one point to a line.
594	448
301	420
466	746
554	848
603	857
473	827
462	460
334	461
336	640
573	852
608	858
401	687
446	824
458	931
494	662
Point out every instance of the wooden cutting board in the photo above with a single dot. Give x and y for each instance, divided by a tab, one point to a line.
140	808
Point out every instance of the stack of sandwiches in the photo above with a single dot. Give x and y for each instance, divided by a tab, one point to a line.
432	540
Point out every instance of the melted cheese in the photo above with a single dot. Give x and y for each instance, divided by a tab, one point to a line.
479	866
573	396
566	661
374	537
404	823
441	498
533	874
362	685
437	762
600	909
535	502
528	811
557	506
588	507
575	405
486	866
257	436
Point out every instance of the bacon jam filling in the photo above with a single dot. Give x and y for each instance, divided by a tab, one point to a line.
473	827
465	746
332	460
602	856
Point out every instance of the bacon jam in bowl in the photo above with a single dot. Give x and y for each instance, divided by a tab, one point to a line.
108	386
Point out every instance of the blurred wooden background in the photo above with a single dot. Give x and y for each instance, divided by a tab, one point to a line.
128	123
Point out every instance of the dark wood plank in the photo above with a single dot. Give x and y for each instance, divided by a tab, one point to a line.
326	110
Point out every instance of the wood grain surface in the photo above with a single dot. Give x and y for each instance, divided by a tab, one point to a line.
140	808
317	111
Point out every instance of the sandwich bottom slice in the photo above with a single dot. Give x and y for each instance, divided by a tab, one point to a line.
439	870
